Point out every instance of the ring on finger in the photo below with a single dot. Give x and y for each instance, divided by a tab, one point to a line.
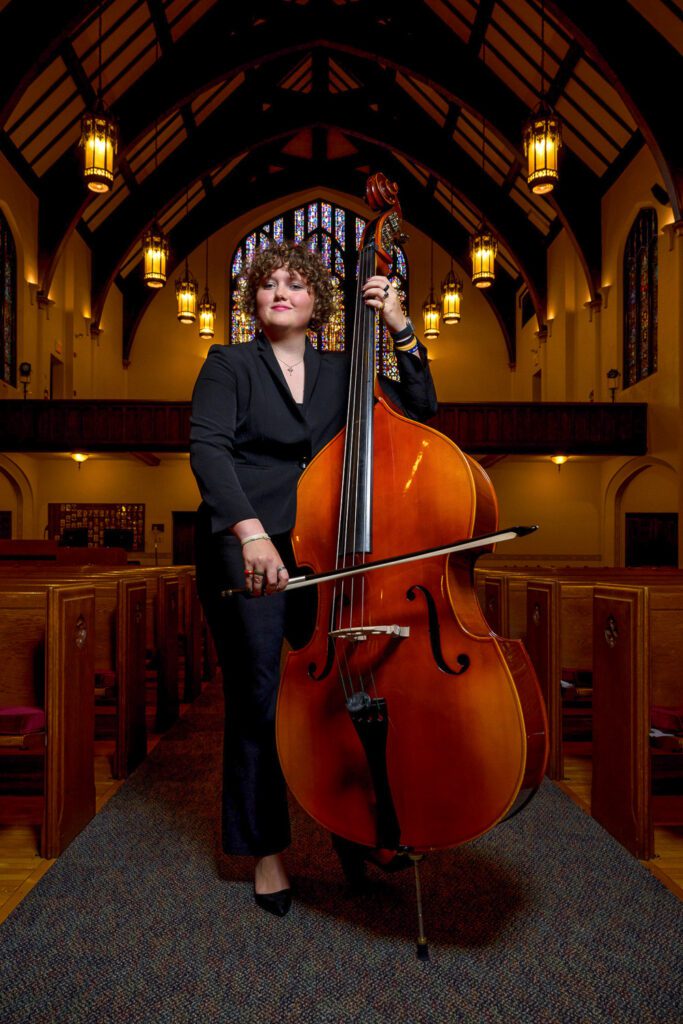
386	290
281	568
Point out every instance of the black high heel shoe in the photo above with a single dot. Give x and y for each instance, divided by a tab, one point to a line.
277	903
353	859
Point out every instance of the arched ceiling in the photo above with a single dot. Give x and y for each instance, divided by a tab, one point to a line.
223	107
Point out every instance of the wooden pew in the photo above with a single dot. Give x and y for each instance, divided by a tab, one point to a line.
502	597
162	585
47	638
119	649
638	654
559	635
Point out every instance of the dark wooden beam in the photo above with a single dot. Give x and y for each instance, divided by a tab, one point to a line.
237	193
34	38
490	428
404	132
230	43
148	458
638	62
250	185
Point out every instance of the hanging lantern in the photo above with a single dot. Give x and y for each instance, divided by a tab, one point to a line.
431	315
542	142
156	256
207	316
451	299
187	290
483	250
99	139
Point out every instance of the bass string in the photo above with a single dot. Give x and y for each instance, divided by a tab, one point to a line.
351	446
361	341
362	351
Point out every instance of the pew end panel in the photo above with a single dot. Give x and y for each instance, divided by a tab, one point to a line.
542	644
48	661
621	758
666	692
70	708
131	746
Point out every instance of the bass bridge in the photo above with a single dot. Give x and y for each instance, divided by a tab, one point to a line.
363	632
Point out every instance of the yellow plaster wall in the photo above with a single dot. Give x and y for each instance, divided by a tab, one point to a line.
661	391
163	489
564	504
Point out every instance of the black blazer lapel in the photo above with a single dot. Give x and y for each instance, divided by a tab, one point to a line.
269	359
312	360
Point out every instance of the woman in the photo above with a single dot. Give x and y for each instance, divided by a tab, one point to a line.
260	412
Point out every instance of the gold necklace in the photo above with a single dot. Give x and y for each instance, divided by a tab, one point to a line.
289	366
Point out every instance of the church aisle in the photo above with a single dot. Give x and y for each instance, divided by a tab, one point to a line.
543	919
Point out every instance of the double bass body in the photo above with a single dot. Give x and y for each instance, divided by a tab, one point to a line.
458	712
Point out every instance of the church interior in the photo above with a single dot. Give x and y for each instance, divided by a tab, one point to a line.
148	148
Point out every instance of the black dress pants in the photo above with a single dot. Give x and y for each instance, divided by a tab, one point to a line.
248	633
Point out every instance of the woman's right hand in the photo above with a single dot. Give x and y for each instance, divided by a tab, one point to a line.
264	570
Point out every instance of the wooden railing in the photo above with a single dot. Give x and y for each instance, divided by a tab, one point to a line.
490	428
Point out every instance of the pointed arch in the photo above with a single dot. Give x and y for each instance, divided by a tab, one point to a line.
335	232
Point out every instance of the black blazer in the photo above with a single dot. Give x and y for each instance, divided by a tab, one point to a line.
249	441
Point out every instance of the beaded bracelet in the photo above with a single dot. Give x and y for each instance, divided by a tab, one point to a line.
255	536
405	334
409	345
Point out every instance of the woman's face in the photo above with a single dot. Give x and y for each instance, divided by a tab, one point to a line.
284	303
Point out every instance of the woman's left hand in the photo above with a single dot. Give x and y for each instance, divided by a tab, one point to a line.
379	293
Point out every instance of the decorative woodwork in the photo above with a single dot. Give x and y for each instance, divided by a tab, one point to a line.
97	518
489	428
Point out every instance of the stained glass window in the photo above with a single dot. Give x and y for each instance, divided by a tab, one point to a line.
326	228
8	312
640	298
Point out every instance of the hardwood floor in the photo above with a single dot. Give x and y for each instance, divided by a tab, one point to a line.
667	864
21	867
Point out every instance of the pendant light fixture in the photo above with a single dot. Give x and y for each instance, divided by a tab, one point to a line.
207	307
187	290
187	286
451	292
155	244
483	243
99	137
451	298
483	251
430	309
542	136
156	257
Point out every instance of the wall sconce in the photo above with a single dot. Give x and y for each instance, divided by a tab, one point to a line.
559	460
25	376
80	458
613	376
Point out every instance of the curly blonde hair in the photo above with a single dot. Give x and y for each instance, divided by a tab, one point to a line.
306	262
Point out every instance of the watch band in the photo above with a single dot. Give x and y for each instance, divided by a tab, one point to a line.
405	333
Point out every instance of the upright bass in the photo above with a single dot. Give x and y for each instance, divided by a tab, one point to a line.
404	723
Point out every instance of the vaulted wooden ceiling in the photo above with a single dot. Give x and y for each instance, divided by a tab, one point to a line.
225	106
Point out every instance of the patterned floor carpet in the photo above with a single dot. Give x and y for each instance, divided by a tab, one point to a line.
545	920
